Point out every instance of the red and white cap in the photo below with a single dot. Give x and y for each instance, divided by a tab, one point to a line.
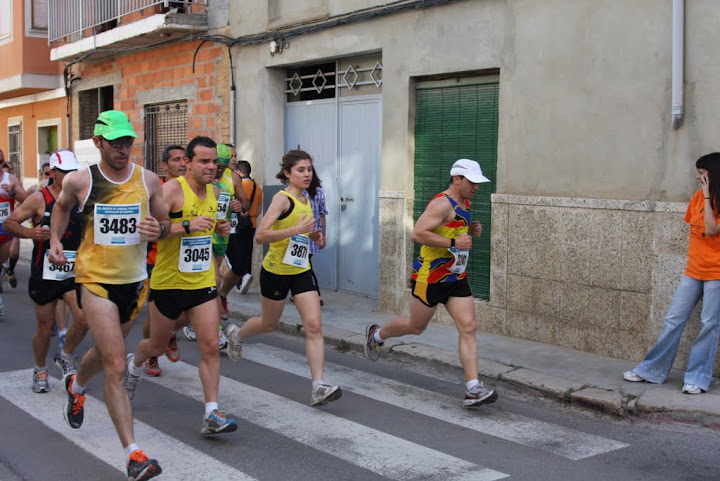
64	160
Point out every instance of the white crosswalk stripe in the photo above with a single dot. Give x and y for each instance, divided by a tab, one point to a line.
381	453
529	432
98	437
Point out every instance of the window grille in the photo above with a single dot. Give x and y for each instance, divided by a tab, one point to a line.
165	124
15	148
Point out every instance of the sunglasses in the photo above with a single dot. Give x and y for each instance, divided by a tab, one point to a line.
121	142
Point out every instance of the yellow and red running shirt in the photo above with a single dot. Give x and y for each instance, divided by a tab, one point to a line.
433	264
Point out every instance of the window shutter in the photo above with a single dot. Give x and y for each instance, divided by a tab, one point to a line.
453	123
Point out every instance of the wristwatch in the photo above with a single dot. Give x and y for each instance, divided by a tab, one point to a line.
186	225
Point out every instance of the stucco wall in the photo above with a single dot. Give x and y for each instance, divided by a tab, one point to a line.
584	119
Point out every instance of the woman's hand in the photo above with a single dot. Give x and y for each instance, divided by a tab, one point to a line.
705	182
305	224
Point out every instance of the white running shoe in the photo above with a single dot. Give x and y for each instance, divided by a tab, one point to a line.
324	394
235	344
691	389
632	377
245	284
189	333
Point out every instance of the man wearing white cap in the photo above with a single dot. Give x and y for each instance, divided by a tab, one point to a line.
445	233
48	283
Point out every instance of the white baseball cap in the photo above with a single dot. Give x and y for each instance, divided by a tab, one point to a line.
470	170
64	160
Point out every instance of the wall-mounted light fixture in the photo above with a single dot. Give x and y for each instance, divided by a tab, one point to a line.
277	45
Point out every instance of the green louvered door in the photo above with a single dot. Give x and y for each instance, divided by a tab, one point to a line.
453	122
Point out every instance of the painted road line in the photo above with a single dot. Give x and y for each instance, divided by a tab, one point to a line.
97	436
548	437
376	451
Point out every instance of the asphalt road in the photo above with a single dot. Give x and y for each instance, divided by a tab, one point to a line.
393	422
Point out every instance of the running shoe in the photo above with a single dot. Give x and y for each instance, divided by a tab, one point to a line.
189	333
691	389
140	467
217	422
74	405
632	377
224	313
152	368
235	344
12	280
324	394
222	339
245	283
40	381
479	395
171	351
130	380
65	364
372	347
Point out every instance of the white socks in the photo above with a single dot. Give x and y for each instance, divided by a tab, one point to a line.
210	407
376	336
131	449
471	384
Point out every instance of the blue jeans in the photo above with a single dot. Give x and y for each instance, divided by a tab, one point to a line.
659	360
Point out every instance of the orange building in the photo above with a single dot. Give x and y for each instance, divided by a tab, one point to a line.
33	104
142	58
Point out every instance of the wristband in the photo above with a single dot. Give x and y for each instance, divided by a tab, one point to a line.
452	243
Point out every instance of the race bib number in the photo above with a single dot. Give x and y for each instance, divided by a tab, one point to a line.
297	251
117	224
233	222
4	211
195	254
461	260
52	272
223	205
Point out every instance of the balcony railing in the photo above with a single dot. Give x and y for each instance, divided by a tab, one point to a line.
70	20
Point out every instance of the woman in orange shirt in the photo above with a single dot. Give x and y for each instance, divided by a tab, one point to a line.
701	281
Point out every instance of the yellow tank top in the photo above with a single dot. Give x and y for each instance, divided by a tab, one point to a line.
111	251
227	191
277	251
186	262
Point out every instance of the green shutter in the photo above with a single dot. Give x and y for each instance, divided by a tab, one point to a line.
453	123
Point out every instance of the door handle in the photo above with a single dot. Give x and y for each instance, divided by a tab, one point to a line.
346	199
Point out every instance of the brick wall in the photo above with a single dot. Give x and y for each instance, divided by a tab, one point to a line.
166	74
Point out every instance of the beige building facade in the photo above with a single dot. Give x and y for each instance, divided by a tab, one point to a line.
586	235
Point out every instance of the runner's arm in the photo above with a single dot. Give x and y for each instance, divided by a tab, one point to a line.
31	209
151	226
437	213
280	203
73	185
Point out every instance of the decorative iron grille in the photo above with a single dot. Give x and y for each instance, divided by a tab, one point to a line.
165	124
15	148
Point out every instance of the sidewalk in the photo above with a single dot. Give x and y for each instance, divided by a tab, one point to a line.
567	375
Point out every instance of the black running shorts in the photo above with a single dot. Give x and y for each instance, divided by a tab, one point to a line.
439	292
173	302
276	287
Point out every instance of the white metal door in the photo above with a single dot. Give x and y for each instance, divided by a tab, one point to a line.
311	126
359	131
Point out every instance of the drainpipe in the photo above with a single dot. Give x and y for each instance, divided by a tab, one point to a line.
678	62
232	114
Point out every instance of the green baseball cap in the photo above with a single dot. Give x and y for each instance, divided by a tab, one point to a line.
113	124
224	154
